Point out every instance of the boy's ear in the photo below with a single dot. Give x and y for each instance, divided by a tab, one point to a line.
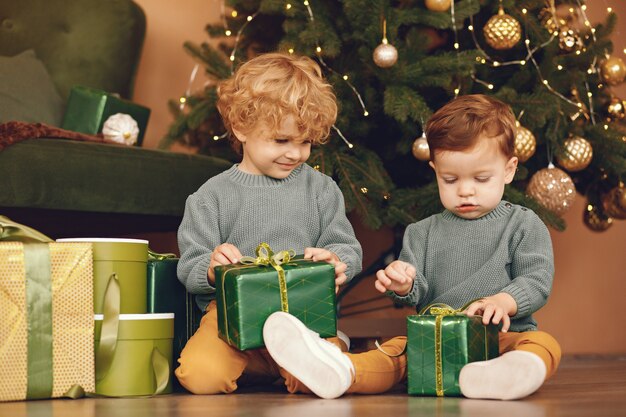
241	137
510	169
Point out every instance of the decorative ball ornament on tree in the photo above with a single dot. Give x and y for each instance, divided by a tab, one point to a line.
438	5
420	149
121	128
569	41
502	31
595	220
613	70
614	203
525	143
616	109
577	154
553	189
385	55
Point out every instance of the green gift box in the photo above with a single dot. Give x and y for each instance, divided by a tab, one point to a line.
124	260
88	109
166	294
247	293
141	362
440	343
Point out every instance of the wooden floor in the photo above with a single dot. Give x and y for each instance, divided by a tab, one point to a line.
583	386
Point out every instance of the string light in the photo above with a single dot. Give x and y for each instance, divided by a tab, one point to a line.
344	77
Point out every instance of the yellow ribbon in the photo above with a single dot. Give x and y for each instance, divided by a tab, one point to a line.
265	256
440	311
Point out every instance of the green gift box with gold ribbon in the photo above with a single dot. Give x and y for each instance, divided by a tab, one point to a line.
89	108
166	294
249	291
46	315
440	341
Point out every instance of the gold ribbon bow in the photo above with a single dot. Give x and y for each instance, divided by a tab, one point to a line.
265	256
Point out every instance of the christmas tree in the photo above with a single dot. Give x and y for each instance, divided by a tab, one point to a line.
393	63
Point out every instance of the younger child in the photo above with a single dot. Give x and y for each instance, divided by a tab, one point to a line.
275	107
479	247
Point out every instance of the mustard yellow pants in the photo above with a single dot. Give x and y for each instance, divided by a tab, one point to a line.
208	365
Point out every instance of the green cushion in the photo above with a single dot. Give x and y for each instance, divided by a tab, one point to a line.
94	43
92	177
26	91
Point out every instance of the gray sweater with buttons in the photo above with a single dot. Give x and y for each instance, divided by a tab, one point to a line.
458	260
306	209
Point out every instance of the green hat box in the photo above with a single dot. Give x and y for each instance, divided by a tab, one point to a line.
128	259
144	345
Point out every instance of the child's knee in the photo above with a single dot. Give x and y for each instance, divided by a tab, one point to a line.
205	378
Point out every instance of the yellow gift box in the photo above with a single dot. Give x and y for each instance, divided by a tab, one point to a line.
46	318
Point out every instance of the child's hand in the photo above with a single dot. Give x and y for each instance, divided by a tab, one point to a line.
224	254
494	309
397	277
324	255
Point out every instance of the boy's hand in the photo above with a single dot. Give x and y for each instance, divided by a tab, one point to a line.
397	277
494	309
324	255
224	254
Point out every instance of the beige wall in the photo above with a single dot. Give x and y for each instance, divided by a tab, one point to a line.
585	310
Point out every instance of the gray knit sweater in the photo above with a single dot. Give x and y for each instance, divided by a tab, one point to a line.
306	209
458	260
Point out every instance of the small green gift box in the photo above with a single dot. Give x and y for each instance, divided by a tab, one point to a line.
88	109
140	362
442	340
249	291
123	260
166	294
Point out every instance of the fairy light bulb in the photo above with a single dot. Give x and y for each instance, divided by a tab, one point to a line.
318	49
228	32
234	13
249	18
470	27
290	50
288	6
490	86
345	77
215	137
366	113
182	100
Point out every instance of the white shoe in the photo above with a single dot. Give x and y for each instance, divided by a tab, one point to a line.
315	362
514	375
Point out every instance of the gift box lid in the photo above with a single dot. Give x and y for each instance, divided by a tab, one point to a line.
115	249
141	326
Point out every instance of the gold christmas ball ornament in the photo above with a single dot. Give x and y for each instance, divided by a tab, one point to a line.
613	70
438	5
595	220
502	31
577	154
525	143
553	189
569	41
385	55
616	109
614	203
420	149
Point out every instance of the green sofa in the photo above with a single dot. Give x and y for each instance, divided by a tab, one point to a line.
69	188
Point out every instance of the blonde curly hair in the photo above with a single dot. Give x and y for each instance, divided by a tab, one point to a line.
272	86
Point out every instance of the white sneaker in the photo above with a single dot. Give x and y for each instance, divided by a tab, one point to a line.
514	375
315	362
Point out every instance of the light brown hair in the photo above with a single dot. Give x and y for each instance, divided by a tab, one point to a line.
459	124
271	86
